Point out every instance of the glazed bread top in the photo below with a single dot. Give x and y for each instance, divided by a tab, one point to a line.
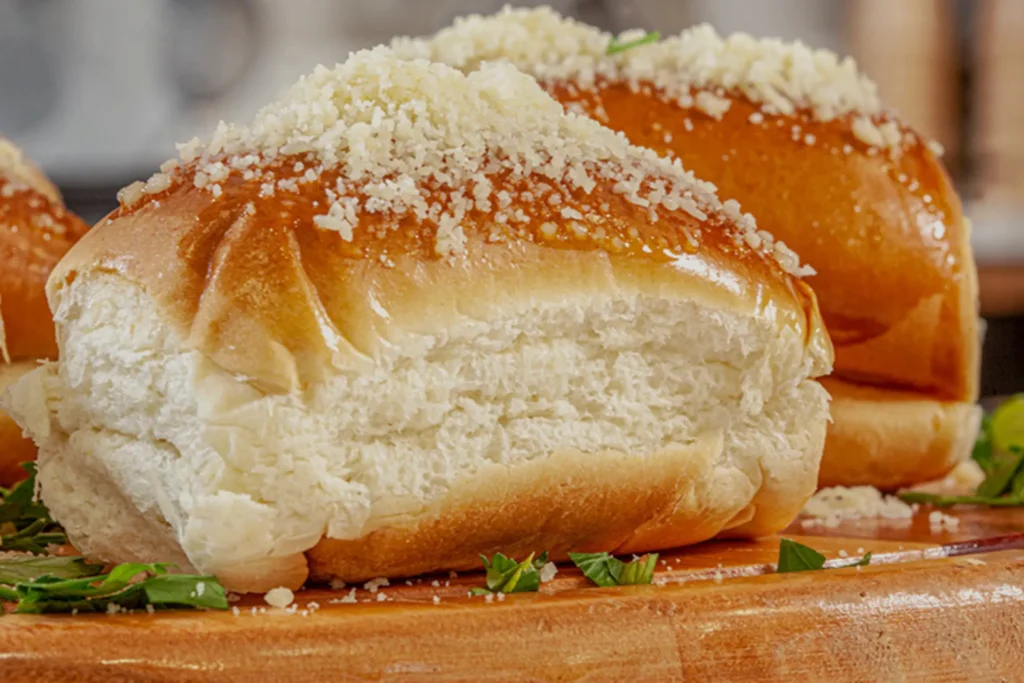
387	196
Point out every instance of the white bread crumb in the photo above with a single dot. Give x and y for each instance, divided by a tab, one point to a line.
279	597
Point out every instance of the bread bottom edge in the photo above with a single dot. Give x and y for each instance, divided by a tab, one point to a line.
893	439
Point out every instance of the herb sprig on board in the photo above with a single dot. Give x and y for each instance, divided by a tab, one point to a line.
505	575
40	583
604	569
796	557
126	586
26	525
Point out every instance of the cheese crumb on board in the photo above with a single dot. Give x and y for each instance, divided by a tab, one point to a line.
828	507
346	600
373	585
280	597
425	140
940	521
548	571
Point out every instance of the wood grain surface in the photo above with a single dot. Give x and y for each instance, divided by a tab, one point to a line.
933	606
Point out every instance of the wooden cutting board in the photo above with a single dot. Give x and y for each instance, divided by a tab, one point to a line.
933	606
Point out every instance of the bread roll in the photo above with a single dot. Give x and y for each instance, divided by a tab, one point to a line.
35	231
409	316
802	141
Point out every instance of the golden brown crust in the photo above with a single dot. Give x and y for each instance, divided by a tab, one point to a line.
16	168
35	231
896	278
891	439
573	501
14	448
34	235
265	293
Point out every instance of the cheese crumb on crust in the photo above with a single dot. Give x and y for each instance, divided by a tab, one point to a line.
781	76
400	137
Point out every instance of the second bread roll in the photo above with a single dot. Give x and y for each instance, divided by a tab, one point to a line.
801	139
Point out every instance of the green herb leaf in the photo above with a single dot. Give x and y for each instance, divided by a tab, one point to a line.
541	560
605	570
999	480
505	575
795	557
601	568
24	524
615	47
30	567
983	449
120	587
639	571
1017	485
25	490
185	590
477	591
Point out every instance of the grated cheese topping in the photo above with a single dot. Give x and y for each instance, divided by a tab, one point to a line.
782	77
397	133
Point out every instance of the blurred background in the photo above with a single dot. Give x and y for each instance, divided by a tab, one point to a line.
98	91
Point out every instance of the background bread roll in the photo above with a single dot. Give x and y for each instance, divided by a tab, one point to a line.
409	316
800	138
35	231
